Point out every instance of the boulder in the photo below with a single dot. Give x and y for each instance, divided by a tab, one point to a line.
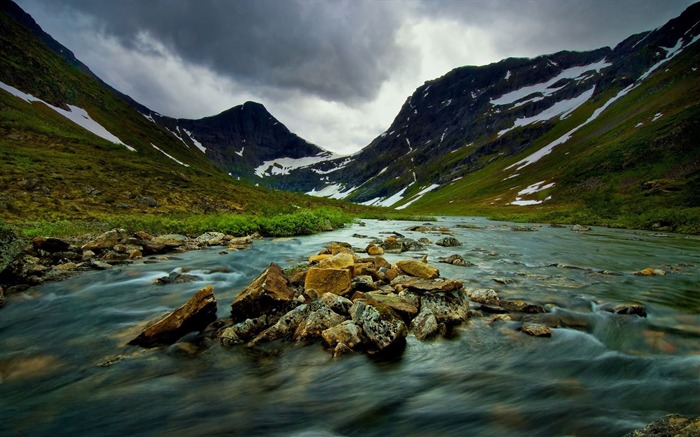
384	330
650	272
288	323
580	228
347	333
374	250
336	281
401	305
425	325
519	306
448	308
456	260
211	239
170	240
418	269
439	285
244	331
107	240
486	296
536	330
50	244
363	283
448	242
317	322
268	293
198	312
670	425
341	260
339	304
635	309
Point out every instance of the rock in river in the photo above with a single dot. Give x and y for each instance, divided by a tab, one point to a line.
268	293
418	269
198	312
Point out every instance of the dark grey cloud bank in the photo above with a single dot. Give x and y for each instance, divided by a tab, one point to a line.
336	72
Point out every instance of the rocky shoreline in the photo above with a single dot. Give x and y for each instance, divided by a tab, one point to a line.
54	259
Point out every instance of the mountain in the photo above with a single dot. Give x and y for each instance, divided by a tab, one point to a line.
594	135
248	143
72	147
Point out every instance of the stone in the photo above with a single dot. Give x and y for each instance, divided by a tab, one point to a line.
315	259
634	309
670	425
268	293
363	283
409	245
50	244
170	240
397	303
580	228
317	322
347	333
287	324
88	254
374	250
98	265
341	349
384	330
107	240
243	331
211	239
536	330
341	260
198	312
439	285
336	281
418	269
65	267
339	304
448	242
519	306
425	325
486	296
448	308
456	260
650	272
135	254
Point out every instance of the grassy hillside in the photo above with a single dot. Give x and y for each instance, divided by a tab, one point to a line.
637	165
52	170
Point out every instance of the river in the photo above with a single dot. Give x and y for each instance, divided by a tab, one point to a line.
604	375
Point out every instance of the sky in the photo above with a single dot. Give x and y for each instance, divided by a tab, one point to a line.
335	72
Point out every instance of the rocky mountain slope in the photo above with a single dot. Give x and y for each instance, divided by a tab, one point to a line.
600	134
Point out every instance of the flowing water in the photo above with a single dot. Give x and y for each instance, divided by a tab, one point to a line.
605	374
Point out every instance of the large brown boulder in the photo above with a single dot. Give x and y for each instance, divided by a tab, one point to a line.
340	260
336	281
268	293
418	269
198	312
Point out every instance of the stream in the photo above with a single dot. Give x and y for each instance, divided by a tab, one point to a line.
66	369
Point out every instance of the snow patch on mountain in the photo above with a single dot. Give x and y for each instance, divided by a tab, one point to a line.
563	109
168	155
531	189
333	191
75	114
283	166
543	89
197	144
419	195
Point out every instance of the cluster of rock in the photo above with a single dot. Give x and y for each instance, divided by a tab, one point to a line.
50	259
350	302
670	425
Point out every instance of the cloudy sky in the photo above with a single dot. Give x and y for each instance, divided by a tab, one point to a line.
335	72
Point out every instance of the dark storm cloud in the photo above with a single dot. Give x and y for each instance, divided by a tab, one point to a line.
536	27
337	50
